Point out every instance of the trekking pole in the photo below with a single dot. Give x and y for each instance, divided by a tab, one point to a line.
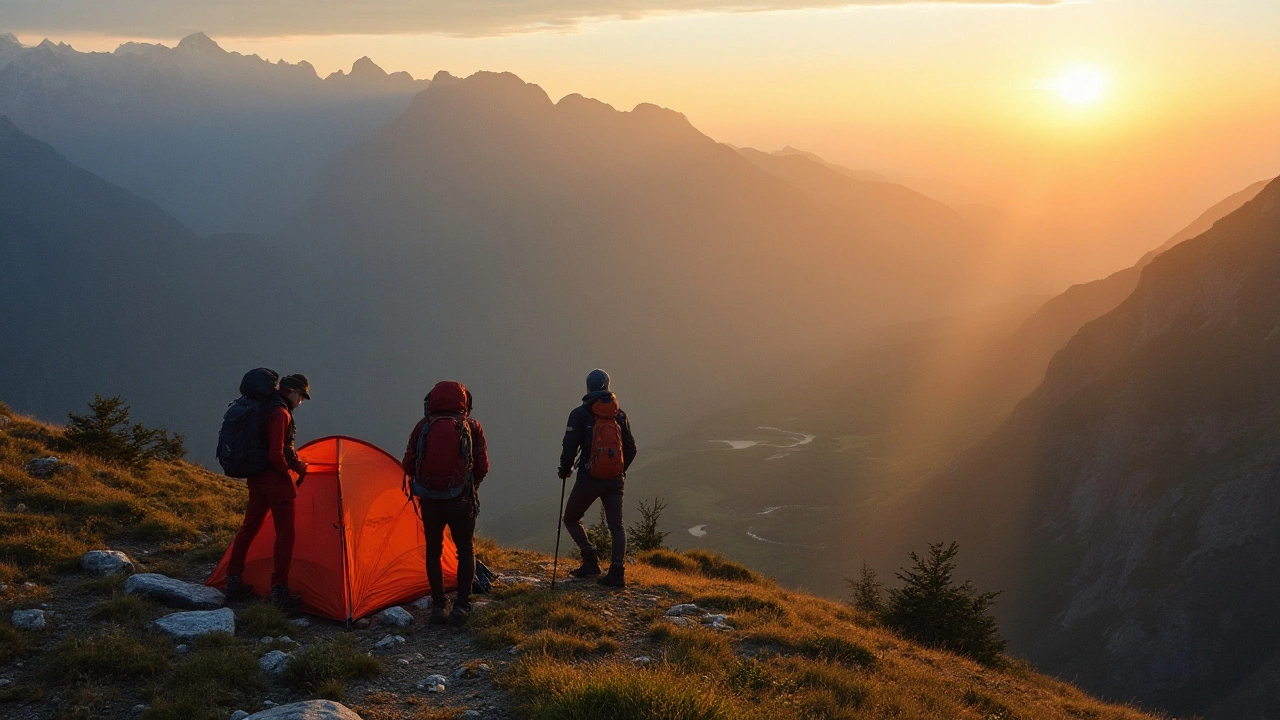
555	563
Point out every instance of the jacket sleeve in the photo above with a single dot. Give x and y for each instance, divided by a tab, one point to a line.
410	462
479	452
571	444
628	441
277	426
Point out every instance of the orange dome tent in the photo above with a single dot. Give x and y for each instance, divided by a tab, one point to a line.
360	546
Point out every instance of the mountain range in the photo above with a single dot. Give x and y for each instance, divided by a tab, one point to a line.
223	141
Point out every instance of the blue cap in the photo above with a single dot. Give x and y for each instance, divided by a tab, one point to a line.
597	380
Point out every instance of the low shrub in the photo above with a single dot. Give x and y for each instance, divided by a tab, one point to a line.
124	610
334	659
742	603
837	649
667	560
548	690
219	674
562	646
261	619
718	567
13	643
110	654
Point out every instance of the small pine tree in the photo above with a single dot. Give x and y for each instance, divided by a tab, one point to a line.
868	592
932	609
106	433
601	538
643	534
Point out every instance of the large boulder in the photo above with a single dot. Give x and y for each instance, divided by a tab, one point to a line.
175	593
106	562
308	710
188	625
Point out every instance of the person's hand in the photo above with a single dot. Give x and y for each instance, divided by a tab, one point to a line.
563	474
302	468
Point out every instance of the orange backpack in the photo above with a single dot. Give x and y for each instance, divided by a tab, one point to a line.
606	461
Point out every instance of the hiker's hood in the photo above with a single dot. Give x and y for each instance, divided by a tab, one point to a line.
448	397
601	403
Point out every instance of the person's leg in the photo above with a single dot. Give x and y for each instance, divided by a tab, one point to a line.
433	527
282	517
254	513
580	498
612	502
462	527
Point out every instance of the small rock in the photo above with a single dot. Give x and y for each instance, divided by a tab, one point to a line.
29	586
266	640
20	508
389	641
679	621
47	467
5	682
29	619
180	649
483	669
44	605
273	662
682	609
175	593
519	580
710	619
395	616
402	661
268	703
471	715
513	650
4	422
106	562
140	708
239	715
434	683
188	625
3	587
361	624
308	710
423	603
642	660
301	622
606	613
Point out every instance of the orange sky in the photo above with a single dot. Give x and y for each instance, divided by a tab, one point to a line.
956	100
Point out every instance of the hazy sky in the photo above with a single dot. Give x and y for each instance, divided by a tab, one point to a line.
1104	124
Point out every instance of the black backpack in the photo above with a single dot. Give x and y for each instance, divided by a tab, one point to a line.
242	451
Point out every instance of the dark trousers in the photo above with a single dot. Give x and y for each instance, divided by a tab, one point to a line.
254	514
460	517
586	490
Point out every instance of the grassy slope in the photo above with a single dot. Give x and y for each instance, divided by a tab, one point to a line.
788	654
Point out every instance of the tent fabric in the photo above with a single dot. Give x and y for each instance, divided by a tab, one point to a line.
360	546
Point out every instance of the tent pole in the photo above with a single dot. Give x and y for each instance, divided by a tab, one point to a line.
342	530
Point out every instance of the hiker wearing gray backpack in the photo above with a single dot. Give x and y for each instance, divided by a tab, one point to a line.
446	460
598	440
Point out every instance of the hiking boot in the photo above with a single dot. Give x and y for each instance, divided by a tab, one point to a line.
237	589
615	578
590	567
460	615
284	598
437	613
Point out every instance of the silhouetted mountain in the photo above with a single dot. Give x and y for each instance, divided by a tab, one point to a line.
514	242
103	292
224	141
1129	505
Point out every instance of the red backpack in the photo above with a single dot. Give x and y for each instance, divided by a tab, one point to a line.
444	448
606	461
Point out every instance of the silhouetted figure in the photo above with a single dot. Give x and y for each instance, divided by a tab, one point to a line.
598	440
448	459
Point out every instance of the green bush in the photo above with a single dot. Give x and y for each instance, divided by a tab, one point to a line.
125	610
836	649
219	674
933	610
261	619
601	538
110	654
718	567
336	658
106	433
668	560
643	535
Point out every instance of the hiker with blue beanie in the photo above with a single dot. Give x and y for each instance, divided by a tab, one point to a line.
598	441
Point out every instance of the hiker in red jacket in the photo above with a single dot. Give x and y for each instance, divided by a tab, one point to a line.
447	459
598	438
274	490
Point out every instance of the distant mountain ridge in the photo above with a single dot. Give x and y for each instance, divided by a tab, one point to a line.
224	141
1129	504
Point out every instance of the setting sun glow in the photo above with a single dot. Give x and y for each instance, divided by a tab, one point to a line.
1081	85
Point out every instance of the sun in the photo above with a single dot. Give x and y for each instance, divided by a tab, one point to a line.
1081	85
